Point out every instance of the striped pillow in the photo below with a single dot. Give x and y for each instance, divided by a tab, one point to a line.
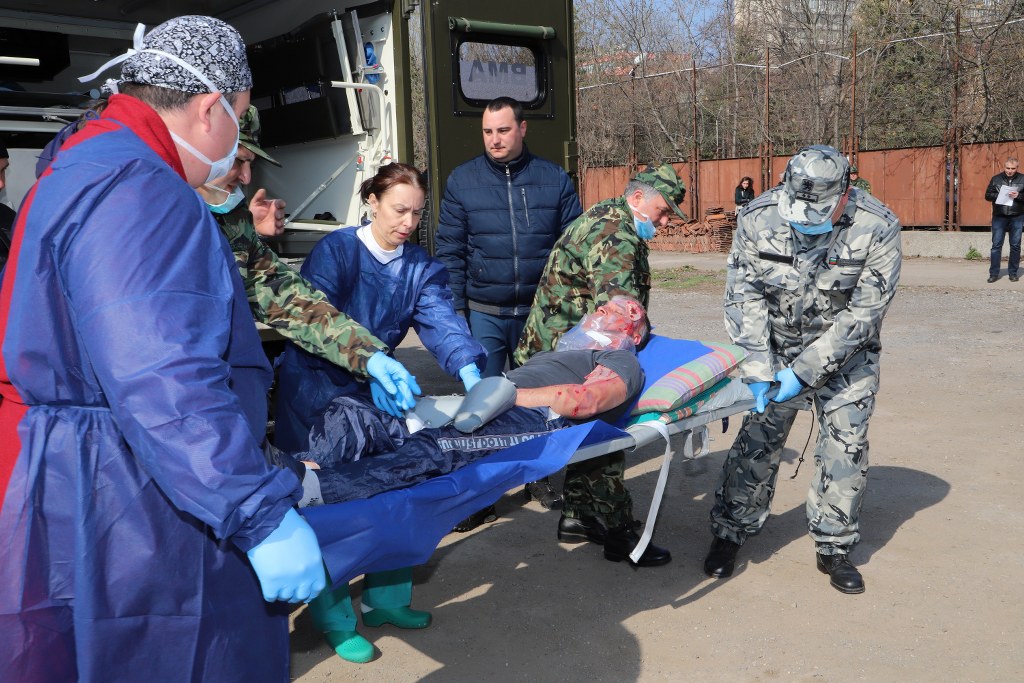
689	408
678	386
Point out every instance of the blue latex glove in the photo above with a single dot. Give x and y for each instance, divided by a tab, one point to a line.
789	385
469	375
394	381
288	562
760	391
383	400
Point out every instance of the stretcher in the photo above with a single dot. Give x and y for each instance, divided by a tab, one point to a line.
403	527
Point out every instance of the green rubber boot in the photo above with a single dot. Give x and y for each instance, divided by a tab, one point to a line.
332	615
402	617
350	646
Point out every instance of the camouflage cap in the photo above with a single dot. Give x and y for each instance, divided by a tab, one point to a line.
663	178
249	134
813	185
853	169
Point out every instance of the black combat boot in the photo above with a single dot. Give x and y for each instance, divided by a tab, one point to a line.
721	559
621	542
485	516
542	492
844	576
578	530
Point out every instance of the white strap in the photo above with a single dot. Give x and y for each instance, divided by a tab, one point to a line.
705	447
659	490
137	46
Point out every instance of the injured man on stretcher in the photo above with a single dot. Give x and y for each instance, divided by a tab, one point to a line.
357	451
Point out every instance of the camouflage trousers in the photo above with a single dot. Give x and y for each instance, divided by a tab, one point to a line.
744	496
597	488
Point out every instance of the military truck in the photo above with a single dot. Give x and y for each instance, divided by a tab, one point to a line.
335	82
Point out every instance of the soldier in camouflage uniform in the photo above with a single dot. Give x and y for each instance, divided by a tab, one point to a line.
813	268
278	295
601	254
857	181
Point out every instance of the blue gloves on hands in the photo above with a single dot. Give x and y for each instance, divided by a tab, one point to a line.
789	385
384	401
288	562
469	375
391	385
760	391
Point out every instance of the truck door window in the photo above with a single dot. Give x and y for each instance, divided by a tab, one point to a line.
488	70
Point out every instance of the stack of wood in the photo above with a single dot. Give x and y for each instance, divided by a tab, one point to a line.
712	233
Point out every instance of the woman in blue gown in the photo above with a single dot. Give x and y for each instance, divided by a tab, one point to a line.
389	286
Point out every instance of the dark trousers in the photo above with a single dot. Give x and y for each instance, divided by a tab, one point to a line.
499	335
1001	227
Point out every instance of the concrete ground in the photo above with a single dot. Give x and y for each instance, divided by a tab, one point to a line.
940	529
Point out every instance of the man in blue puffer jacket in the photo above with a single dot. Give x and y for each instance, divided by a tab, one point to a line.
502	211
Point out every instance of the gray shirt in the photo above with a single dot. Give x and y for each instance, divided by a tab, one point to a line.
550	368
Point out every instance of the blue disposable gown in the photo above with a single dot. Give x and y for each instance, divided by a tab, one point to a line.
139	482
387	299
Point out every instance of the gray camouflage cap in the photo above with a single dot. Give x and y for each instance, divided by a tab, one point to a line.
813	185
211	46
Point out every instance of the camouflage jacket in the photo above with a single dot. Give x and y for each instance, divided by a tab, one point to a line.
281	298
813	303
861	184
598	256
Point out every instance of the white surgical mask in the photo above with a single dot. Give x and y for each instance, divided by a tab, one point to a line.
233	199
218	168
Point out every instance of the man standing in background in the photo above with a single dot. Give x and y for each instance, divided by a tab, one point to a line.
1007	218
502	211
857	181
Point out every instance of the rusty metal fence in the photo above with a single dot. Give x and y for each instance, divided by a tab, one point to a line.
916	183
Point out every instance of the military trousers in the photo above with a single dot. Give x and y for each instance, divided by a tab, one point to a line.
744	496
597	488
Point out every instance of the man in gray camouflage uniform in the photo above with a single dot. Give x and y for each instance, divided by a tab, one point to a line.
813	268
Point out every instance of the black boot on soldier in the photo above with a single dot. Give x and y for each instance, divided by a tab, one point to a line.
844	576
542	492
721	559
621	542
578	530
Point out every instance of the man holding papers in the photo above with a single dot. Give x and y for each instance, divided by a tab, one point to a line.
1004	191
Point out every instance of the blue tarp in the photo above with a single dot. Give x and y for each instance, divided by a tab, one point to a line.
402	528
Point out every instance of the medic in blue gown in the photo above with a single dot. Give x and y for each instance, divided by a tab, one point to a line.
372	275
389	286
132	480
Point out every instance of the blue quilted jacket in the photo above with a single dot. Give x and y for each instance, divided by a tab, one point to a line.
497	224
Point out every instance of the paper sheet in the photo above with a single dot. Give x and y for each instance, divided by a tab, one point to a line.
1004	197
